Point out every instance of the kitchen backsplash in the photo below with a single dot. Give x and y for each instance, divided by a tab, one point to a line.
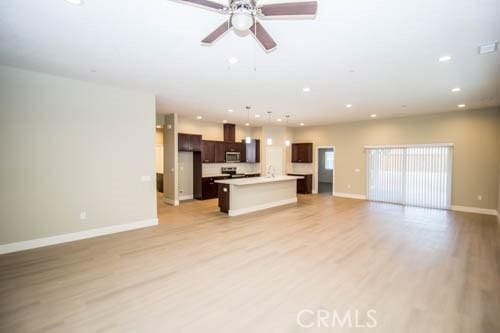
215	168
301	168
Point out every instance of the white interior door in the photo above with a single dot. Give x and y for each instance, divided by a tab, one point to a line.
274	159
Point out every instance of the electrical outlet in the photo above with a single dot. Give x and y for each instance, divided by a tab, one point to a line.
357	170
349	186
83	216
479	197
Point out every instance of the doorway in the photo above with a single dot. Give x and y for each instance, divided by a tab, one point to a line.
326	169
274	160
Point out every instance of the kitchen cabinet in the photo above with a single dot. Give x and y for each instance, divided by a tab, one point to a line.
304	186
159	182
213	151
229	132
252	151
224	198
302	152
220	152
208	151
210	189
239	147
189	142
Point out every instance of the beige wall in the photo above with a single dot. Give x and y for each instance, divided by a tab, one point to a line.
170	160
69	146
210	130
475	135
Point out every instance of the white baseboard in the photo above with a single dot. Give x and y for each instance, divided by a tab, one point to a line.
186	197
171	202
350	195
252	209
41	242
475	210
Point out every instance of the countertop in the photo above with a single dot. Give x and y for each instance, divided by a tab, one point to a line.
256	180
226	175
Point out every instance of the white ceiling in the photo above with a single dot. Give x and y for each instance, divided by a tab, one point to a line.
377	55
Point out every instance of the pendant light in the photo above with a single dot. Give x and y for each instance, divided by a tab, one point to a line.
248	139
287	142
269	141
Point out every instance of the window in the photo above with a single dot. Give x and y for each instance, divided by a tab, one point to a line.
329	160
411	175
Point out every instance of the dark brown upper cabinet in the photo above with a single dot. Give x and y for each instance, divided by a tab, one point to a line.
302	152
229	132
252	151
208	151
220	152
189	142
213	151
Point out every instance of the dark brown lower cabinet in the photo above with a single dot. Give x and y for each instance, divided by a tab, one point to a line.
224	198
304	186
209	188
159	182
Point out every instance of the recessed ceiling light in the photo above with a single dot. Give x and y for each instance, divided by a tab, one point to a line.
232	60
461	106
455	89
302	124
278	120
230	110
444	58
247	124
373	115
224	121
348	106
199	117
257	116
75	2
306	89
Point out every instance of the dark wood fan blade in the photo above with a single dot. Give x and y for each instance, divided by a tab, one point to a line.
290	8
263	37
205	3
221	30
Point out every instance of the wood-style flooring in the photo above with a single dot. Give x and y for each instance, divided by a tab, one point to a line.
421	270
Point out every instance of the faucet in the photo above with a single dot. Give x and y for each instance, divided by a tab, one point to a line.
270	170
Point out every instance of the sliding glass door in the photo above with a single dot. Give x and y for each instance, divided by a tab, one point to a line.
410	175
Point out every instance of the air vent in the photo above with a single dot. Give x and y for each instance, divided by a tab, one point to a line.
488	48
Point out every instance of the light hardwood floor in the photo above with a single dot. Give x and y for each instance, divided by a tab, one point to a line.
200	271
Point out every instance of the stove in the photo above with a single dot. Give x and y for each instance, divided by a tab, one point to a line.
232	172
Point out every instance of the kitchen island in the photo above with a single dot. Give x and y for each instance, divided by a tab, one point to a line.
246	195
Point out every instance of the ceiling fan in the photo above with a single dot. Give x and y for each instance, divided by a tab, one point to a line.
244	15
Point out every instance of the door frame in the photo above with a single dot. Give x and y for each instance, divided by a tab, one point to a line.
316	165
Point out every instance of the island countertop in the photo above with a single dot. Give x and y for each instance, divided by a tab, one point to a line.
256	180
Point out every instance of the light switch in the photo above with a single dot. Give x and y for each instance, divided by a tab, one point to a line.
146	178
357	170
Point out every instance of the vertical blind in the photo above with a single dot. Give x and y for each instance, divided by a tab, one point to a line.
410	175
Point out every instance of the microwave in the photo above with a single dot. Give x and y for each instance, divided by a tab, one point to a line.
232	157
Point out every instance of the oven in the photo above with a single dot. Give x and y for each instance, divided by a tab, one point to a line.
232	157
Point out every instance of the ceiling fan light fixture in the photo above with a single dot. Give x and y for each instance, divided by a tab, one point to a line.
242	21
